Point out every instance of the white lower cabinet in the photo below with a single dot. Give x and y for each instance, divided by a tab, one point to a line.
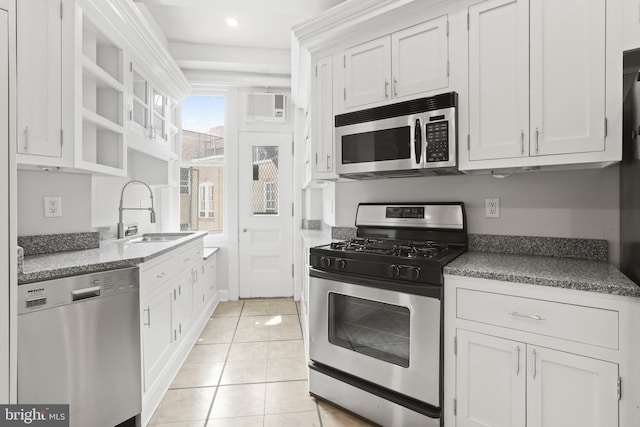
157	334
209	277
174	308
521	355
490	381
506	383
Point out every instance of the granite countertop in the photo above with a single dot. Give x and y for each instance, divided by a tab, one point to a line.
111	254
580	274
316	237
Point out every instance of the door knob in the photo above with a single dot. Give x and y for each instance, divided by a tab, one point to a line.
244	230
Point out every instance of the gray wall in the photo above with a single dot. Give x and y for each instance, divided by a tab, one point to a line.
75	190
582	204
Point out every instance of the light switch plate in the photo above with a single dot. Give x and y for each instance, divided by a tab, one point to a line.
52	206
492	207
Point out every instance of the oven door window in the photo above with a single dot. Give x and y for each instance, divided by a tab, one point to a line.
368	327
377	146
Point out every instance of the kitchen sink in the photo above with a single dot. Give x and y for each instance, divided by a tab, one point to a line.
158	237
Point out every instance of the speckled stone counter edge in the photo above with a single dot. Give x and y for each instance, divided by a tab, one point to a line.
312	224
614	287
50	243
47	269
343	233
560	247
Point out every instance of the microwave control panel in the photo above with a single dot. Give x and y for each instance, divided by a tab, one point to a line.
437	135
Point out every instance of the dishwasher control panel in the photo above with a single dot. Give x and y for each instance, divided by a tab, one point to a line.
76	289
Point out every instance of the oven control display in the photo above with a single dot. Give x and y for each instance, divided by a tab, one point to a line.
438	142
405	212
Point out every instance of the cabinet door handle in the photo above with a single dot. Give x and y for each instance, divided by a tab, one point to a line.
526	316
518	361
386	88
537	138
26	138
148	310
522	140
328	158
158	276
395	87
534	364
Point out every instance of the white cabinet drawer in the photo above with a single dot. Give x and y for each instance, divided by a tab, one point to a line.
156	274
189	255
577	323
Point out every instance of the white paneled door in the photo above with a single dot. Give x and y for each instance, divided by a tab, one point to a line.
265	217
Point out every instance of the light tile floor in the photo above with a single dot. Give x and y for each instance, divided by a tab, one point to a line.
248	369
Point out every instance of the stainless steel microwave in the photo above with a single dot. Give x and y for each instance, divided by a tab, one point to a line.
411	138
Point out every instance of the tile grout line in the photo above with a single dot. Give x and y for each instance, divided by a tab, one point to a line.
215	393
226	360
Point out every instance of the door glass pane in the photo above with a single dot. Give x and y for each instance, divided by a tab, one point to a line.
265	180
373	328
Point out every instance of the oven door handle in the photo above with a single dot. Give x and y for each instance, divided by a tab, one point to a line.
417	140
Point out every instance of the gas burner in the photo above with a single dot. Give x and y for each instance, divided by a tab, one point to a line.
358	244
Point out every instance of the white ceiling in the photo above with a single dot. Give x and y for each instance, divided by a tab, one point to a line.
200	40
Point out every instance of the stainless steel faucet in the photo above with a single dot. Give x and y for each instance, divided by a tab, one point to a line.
121	208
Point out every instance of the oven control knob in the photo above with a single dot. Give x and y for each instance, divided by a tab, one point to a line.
393	271
340	264
325	262
415	273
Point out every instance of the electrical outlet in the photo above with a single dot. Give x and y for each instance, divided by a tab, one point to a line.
492	207
52	206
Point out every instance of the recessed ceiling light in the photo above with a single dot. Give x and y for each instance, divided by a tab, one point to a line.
233	22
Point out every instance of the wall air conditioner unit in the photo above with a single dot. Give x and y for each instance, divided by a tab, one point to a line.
266	107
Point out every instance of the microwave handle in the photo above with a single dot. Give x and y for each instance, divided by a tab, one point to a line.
417	140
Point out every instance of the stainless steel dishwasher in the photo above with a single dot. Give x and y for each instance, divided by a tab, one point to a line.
79	344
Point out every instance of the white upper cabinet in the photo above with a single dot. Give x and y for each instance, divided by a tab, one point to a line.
406	63
499	79
538	82
322	140
39	79
159	112
567	76
368	72
100	140
419	58
140	107
79	96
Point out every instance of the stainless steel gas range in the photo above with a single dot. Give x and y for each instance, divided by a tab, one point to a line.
375	312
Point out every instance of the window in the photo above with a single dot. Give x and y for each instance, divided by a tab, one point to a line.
206	200
265	180
202	164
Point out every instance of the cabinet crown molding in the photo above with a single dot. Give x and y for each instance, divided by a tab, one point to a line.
126	24
318	30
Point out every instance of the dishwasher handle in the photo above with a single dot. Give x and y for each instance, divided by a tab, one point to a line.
85	293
